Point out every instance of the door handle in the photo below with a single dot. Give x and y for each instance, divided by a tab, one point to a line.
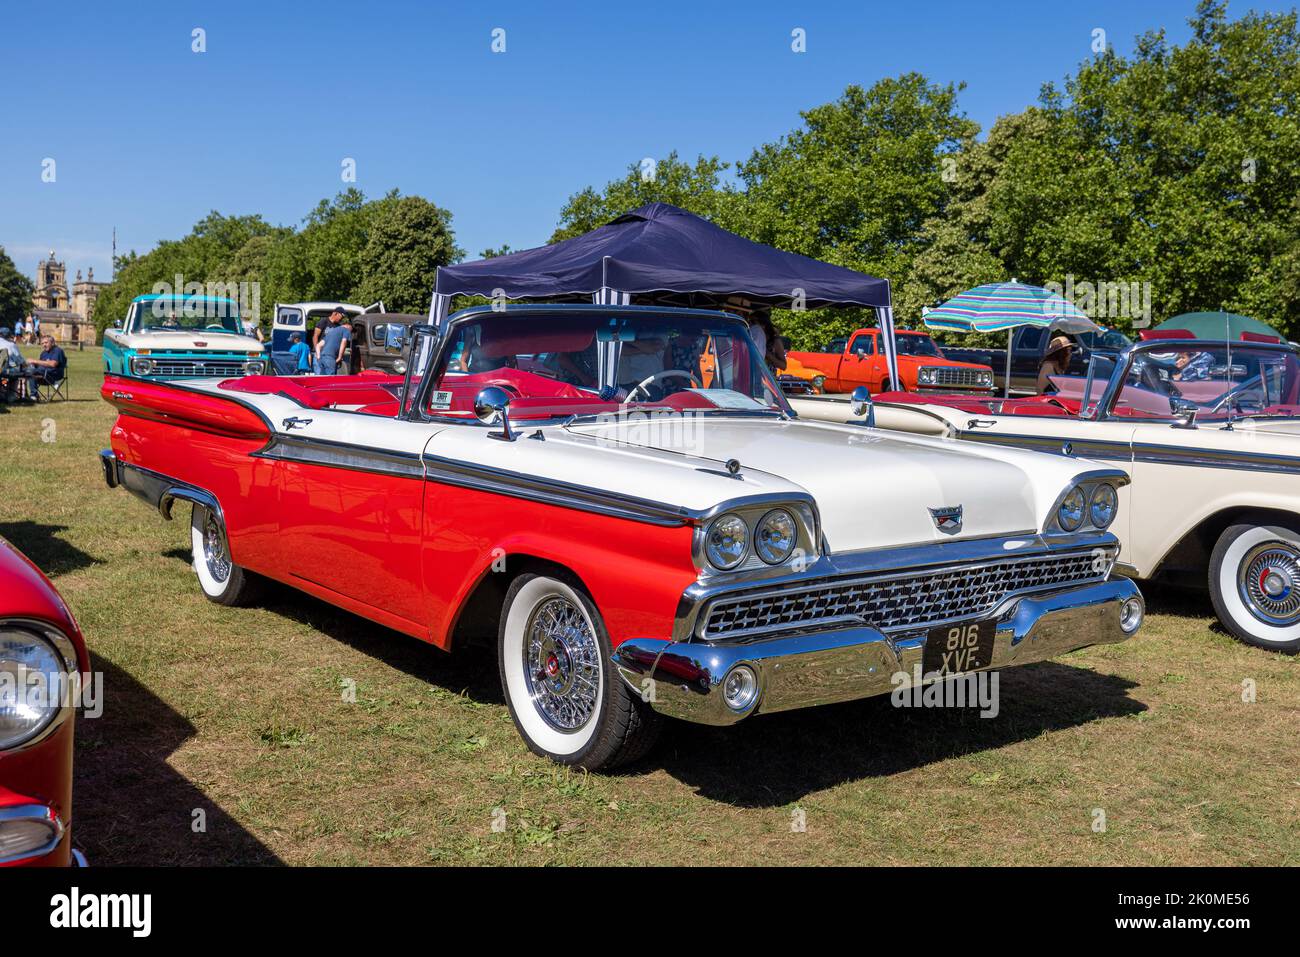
293	422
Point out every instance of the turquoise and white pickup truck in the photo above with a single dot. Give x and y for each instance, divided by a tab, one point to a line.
182	337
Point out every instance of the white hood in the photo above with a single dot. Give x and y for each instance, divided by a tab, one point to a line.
873	488
188	341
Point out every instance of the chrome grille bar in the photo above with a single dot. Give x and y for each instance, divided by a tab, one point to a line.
906	601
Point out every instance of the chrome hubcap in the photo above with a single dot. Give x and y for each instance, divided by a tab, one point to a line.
1269	582
561	664
214	550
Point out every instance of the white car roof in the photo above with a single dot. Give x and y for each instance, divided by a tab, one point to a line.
312	306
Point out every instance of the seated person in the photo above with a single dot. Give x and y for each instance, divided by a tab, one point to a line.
12	364
1055	362
1192	366
52	366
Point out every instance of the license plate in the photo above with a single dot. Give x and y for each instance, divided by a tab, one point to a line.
956	649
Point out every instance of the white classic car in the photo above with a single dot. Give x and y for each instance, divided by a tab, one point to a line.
1209	431
623	500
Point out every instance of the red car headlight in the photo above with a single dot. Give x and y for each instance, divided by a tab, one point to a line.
38	672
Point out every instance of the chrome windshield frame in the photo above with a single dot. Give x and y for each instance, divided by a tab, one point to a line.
446	335
1102	410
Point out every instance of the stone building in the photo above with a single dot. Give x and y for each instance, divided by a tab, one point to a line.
65	314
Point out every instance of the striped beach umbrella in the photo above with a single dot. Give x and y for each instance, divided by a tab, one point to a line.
1005	305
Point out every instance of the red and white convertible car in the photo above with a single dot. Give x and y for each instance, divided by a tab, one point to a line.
624	500
43	666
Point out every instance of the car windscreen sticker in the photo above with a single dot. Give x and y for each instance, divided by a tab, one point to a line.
440	400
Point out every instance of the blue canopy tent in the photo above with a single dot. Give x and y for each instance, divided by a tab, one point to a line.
664	255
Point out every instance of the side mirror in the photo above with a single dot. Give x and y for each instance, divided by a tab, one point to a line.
394	336
117	323
860	404
492	404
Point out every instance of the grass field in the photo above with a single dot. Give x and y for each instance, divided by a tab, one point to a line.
242	714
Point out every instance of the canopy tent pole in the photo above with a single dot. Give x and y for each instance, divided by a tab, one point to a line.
885	320
1006	384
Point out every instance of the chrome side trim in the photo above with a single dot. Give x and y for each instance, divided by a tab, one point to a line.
1148	452
496	481
342	455
33	812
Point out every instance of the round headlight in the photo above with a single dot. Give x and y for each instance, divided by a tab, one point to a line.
1070	514
32	684
726	542
252	368
399	366
1105	502
819	381
775	535
927	375
142	366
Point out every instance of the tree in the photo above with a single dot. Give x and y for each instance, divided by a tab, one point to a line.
15	292
670	180
408	240
1173	169
204	256
854	186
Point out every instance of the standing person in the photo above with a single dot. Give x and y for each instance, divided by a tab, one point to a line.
333	343
319	330
21	330
301	354
34	324
768	340
52	366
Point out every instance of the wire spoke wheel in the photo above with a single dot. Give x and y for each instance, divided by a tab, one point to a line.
562	664
214	549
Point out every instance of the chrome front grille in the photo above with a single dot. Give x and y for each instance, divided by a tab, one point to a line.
963	378
898	602
196	368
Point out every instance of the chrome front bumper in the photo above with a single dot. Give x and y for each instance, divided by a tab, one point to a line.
683	679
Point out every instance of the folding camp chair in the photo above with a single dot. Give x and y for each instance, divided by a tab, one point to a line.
49	391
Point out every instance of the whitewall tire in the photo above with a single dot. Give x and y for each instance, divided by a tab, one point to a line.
566	697
221	579
1255	584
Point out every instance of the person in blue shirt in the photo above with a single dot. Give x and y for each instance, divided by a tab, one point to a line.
52	366
301	354
333	343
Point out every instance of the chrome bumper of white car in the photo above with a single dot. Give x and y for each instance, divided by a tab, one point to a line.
683	679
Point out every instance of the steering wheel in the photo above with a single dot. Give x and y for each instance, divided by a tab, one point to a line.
214	326
643	385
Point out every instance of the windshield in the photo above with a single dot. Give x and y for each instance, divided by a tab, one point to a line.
561	364
1214	380
187	315
917	346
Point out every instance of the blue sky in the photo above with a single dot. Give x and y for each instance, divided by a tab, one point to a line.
149	136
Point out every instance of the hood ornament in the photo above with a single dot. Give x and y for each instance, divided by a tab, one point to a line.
947	520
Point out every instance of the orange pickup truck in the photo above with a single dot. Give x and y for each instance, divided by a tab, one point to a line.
850	361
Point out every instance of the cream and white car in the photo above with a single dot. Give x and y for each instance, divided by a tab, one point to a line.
1209	431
